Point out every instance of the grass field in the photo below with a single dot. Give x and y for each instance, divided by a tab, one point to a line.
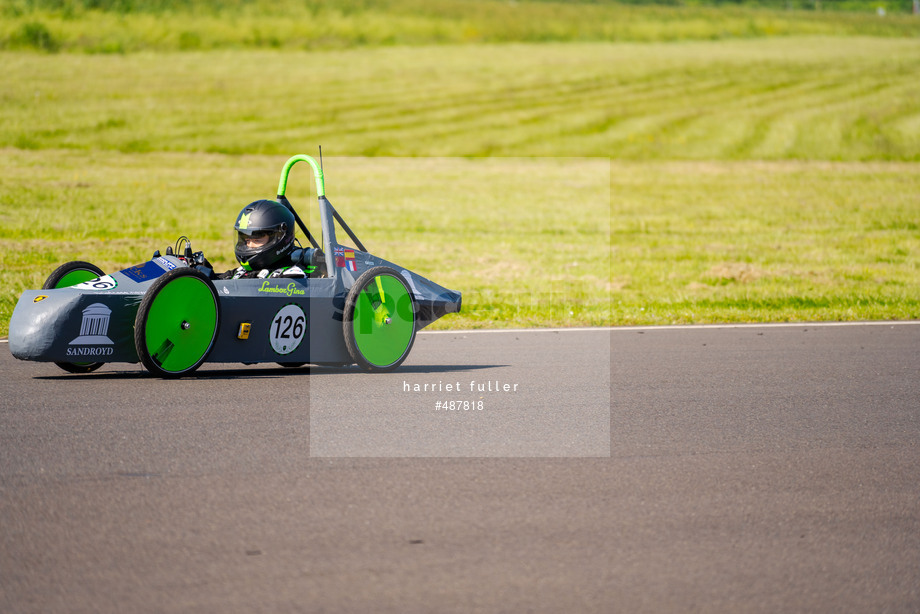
126	26
553	184
772	99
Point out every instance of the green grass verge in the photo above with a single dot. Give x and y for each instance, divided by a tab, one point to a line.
757	241
67	25
530	242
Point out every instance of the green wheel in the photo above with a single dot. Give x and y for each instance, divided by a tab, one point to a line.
379	322
176	323
71	274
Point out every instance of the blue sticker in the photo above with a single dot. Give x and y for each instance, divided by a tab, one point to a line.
163	262
144	271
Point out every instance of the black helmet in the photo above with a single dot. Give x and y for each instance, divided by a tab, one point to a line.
266	234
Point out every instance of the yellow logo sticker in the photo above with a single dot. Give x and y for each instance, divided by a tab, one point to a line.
40	298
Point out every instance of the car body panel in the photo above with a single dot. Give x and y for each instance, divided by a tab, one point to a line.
86	323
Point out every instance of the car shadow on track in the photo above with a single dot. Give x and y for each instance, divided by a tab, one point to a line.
263	373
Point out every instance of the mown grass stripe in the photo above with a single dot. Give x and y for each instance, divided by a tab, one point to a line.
663	105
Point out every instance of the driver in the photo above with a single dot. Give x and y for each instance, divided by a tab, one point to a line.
265	241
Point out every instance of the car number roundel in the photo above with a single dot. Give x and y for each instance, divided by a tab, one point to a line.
106	282
287	329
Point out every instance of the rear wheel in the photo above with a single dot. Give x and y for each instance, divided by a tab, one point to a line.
71	274
379	323
176	323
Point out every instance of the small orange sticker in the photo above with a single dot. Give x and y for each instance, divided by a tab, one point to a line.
40	297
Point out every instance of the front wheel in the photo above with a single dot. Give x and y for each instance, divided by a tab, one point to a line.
379	322
176	323
71	274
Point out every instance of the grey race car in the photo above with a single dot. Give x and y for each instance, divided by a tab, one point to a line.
169	314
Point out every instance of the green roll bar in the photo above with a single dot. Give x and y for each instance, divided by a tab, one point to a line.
317	174
321	194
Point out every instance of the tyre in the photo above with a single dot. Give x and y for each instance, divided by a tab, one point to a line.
379	321
176	323
71	274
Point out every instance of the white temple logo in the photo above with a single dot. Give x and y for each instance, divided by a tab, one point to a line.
95	326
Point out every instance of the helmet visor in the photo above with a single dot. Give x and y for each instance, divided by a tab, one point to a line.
251	243
254	240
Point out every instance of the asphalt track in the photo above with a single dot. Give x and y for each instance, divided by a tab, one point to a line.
748	469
